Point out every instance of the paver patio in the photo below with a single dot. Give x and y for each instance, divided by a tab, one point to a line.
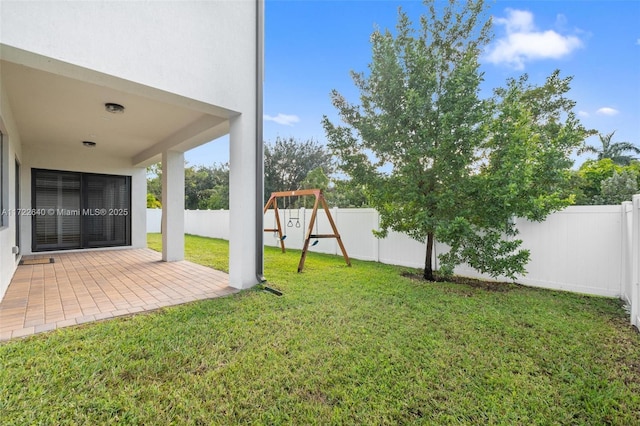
88	286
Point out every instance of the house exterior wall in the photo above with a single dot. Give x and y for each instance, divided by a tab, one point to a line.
208	53
12	150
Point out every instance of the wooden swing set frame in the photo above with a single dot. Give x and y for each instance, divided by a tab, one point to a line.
320	200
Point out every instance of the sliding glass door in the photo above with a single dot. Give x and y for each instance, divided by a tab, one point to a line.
73	210
56	199
107	203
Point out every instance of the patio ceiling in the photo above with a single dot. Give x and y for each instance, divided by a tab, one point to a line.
65	107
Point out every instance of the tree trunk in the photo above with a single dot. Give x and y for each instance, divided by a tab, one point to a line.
428	267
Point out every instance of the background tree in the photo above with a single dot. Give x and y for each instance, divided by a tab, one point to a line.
436	160
589	181
616	151
153	202
346	194
154	185
316	178
591	174
287	162
618	188
207	188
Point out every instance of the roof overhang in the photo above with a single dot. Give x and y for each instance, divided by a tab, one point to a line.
56	104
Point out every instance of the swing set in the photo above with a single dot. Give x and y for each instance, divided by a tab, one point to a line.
278	230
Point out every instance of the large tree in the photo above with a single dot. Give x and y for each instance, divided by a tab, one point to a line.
287	162
206	188
437	160
594	182
618	188
618	152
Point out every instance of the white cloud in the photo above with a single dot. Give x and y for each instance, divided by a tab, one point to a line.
638	42
517	21
583	114
607	111
523	42
284	119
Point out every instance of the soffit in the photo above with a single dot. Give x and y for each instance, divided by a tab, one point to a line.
58	111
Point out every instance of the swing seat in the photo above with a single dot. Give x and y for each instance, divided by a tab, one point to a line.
315	243
284	237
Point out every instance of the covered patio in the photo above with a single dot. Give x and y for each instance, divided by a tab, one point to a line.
55	290
84	111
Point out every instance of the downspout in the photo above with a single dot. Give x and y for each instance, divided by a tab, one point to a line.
259	231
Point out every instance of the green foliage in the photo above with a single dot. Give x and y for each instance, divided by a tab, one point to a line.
346	194
153	202
576	187
596	176
527	154
592	173
206	188
154	182
618	188
343	346
288	162
315	179
437	160
616	151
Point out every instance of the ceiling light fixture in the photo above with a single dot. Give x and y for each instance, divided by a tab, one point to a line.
89	144
114	108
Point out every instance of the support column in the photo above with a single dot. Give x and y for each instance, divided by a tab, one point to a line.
245	218
172	206
246	227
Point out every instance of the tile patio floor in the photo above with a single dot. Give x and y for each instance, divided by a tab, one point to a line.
89	286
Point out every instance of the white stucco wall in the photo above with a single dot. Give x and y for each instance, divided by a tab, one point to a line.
11	138
203	50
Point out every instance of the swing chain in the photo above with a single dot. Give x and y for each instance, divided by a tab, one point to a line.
292	217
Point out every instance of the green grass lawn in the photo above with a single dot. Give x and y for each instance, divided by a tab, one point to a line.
359	345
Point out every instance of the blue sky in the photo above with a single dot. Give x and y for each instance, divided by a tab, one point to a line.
312	45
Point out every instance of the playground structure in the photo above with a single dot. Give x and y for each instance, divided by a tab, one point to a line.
319	200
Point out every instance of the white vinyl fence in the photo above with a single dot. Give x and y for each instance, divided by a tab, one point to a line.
586	249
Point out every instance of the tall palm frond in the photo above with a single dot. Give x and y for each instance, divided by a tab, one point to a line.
616	151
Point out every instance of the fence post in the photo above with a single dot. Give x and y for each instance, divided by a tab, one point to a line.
376	240
626	263
635	254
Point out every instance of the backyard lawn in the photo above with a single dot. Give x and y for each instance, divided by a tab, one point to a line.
359	345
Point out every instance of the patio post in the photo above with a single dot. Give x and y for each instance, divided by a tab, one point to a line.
172	206
242	199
